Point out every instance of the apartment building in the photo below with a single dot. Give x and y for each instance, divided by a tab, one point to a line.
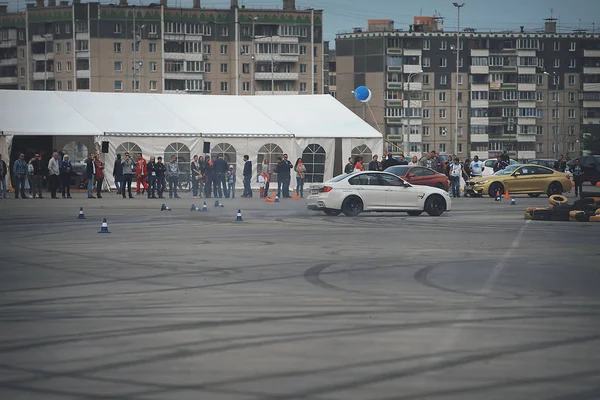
524	92
163	49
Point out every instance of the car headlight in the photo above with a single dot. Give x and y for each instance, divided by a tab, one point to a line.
481	183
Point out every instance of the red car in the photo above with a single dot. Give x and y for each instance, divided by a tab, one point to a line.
418	175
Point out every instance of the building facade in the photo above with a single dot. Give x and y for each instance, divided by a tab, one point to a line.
527	93
163	49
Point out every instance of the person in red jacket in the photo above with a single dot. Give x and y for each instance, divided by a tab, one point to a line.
99	176
141	173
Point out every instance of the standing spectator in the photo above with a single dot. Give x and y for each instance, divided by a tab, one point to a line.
173	174
118	174
468	172
230	182
456	171
128	175
428	161
414	162
560	164
196	175
99	177
53	174
90	172
287	176
208	173
280	169
505	157
266	174
30	177
374	164
349	168
3	173
65	176
402	160
300	175
578	177
141	173
247	176
151	166
500	164
161	170
220	171
202	177
358	164
213	178
20	172
476	167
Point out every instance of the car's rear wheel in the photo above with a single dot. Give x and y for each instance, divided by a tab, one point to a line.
414	213
332	212
554	188
495	188
533	194
352	206
435	205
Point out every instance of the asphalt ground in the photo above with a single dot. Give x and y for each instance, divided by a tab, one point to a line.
292	304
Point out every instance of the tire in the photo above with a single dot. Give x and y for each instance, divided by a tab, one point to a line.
435	205
352	206
534	194
554	188
331	212
557	199
414	213
495	187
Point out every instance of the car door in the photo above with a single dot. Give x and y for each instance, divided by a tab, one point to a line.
522	180
398	196
415	176
371	190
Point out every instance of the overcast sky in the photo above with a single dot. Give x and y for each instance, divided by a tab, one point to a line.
343	15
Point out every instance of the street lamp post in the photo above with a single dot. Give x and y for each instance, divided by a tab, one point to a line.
455	149
252	56
555	133
137	32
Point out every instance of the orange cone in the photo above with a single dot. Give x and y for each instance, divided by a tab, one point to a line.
268	199
506	195
597	184
296	197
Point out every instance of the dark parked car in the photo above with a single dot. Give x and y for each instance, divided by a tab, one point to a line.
591	168
544	162
420	176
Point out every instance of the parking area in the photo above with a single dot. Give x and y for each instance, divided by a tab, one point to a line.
292	304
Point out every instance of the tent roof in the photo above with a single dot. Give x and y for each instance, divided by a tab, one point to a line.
88	113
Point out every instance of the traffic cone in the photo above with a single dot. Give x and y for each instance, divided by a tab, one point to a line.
498	197
204	208
165	208
81	216
194	208
239	218
597	184
296	197
216	203
506	195
276	199
268	199
513	202
104	227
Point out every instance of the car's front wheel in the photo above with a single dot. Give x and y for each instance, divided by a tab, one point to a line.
352	206
414	213
495	188
331	212
435	205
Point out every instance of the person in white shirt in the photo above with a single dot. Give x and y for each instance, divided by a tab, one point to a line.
476	167
414	161
456	171
53	173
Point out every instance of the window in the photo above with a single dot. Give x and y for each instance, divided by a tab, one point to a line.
571	80
271	152
23	70
460	79
68	28
313	158
571	113
303	86
302	50
223	68
224	31
118	85
540	147
460	146
153	86
509	112
425	79
315	68
572	63
207	86
571	97
393	112
443	79
246	86
69	66
426	95
571	130
69	85
117	47
539	96
118	28
245	49
556	46
153	29
572	46
223	49
479	95
557	63
206	49
135	85
302	68
555	114
443	131
539	130
58	48
68	47
153	66
206	67
182	155
442	147
443	62
442	96
118	66
571	146
480	61
58	85
81	45
442	113
81	26
193	66
152	47
426	131
540	79
193	47
443	45
460	113
224	86
315	88
426	113
426	62
245	68
426	44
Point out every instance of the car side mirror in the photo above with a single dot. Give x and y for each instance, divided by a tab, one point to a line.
411	175
406	184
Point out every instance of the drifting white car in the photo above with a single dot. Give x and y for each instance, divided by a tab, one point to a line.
368	191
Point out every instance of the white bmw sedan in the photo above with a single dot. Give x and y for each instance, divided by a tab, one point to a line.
354	193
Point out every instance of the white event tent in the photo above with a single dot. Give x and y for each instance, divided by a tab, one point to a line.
318	129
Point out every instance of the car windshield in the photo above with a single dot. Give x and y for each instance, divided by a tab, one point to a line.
507	171
399	170
341	177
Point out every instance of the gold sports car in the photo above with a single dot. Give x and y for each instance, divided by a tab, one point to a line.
530	179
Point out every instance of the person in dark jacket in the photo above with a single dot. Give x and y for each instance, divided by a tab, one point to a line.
65	176
151	167
560	164
349	168
402	161
3	173
196	175
90	172
38	176
160	169
247	176
20	174
208	173
128	175
118	174
374	164
220	167
287	177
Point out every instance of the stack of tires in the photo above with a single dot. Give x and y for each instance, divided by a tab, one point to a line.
583	210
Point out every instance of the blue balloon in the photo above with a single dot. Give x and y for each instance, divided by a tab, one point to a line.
362	93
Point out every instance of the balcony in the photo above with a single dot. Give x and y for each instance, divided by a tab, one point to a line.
509	85
178	37
591	87
184	75
591	70
184	56
478	87
411	69
417	121
40	76
42	56
480	104
526	87
480	138
277	39
394	85
526	138
85	73
277	76
276	92
82	36
591	53
394	68
484	121
8	62
480	53
527	71
416	138
82	54
413	104
9	80
413	86
527	104
591	121
393	103
591	104
413	52
527	53
480	69
394	51
527	121
42	38
4	44
177	91
276	57
526	155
